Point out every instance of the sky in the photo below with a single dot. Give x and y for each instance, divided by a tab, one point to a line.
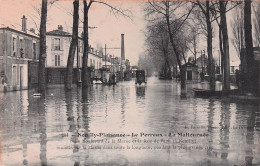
109	27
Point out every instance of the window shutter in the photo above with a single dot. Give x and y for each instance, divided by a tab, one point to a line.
61	44
61	60
52	44
53	60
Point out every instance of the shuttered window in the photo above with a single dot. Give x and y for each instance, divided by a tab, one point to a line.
57	60
56	44
14	46
14	75
34	51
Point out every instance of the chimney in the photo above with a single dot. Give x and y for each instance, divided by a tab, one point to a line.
122	47
24	24
60	27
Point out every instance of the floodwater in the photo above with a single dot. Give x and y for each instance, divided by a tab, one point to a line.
127	125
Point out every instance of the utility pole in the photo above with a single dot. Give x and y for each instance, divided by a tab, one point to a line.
113	63
219	62
106	56
106	53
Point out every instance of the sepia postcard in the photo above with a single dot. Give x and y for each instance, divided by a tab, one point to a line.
129	83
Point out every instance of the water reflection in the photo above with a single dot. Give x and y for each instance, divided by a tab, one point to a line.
224	130
250	138
140	91
31	128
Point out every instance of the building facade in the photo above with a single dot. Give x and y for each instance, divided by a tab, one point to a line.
19	54
58	44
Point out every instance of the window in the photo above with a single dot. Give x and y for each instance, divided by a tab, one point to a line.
57	60
14	46
232	69
79	46
14	75
56	44
34	51
21	48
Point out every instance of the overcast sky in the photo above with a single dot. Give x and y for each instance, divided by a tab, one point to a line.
109	27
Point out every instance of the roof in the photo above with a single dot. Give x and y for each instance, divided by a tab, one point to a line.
14	29
58	32
189	65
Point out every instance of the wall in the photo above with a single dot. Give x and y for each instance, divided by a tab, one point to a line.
12	61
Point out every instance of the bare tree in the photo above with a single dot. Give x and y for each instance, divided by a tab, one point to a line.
174	20
205	16
252	80
73	45
237	26
157	40
35	16
87	5
224	30
193	41
42	57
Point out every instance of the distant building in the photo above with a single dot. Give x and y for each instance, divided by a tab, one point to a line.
58	43
234	65
202	63
190	71
19	54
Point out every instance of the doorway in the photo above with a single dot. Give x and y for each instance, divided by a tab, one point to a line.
189	75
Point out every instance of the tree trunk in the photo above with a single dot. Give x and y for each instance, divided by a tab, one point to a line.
221	49
224	31
73	45
42	57
177	54
211	65
167	68
85	75
252	67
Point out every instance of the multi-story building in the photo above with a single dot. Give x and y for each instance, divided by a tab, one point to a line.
58	43
19	54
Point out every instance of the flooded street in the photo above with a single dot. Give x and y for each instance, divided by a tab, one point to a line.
128	125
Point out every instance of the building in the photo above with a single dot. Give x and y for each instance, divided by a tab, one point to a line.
58	44
19	54
191	72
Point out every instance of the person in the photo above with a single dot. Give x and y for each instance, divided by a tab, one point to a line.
4	84
113	79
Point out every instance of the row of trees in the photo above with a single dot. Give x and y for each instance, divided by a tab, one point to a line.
175	27
74	41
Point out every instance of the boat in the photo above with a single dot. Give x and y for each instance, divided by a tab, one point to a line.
210	93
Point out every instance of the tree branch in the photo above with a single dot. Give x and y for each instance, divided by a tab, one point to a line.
112	8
